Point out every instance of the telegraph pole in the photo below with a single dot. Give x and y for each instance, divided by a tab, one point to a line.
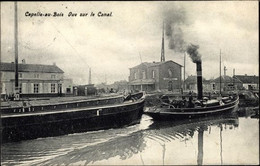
184	71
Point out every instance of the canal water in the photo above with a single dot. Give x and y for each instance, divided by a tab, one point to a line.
226	139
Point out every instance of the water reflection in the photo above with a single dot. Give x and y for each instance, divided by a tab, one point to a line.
185	129
125	143
85	147
124	147
252	112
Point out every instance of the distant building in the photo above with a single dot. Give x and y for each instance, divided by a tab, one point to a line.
227	83
67	86
34	79
248	82
165	75
84	90
118	86
191	84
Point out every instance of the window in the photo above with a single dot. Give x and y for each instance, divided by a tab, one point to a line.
135	75
144	75
153	74
170	72
52	88
53	76
20	75
36	88
36	75
20	88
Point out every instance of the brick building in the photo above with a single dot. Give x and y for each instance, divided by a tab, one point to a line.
165	75
34	79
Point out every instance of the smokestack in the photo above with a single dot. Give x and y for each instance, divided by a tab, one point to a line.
192	50
199	79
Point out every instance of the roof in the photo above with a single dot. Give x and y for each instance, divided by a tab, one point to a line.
31	68
224	79
150	64
247	78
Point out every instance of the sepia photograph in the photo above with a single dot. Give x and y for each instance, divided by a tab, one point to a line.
129	83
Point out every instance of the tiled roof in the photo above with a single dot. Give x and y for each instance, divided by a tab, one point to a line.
31	68
247	79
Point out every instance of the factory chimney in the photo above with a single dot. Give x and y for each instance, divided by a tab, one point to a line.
89	78
162	51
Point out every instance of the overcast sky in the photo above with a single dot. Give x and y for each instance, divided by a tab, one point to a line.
112	45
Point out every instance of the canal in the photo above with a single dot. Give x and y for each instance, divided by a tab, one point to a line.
219	140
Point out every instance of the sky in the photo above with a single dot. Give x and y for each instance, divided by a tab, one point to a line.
110	45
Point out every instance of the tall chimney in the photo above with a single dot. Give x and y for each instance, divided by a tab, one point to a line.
199	79
89	76
162	51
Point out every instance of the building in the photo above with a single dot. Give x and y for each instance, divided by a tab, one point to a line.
227	83
246	81
191	84
67	86
165	75
84	90
34	79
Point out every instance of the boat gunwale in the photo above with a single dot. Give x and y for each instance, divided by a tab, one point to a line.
70	102
201	112
204	108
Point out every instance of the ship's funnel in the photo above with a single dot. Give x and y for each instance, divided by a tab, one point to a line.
199	79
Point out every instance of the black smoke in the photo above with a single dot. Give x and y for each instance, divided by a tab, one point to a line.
192	50
174	18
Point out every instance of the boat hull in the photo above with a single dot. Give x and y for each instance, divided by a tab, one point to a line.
48	124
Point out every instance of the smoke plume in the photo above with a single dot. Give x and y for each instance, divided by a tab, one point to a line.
174	18
192	50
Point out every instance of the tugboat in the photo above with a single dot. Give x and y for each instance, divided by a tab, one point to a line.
170	110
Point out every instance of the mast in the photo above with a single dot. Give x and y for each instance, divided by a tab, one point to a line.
162	51
234	78
16	47
220	73
184	71
225	70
